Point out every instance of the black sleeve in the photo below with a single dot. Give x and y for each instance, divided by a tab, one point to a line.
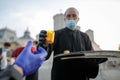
10	73
92	68
49	50
88	43
92	64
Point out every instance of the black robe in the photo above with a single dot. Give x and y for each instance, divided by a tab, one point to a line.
66	39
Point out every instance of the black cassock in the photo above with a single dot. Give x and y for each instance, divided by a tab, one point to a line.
73	41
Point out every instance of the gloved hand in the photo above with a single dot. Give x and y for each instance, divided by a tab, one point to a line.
42	37
29	61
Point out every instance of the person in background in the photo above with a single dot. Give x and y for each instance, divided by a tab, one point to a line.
25	64
7	45
70	39
17	51
5	52
35	44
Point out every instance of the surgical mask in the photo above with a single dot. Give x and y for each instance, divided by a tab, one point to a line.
71	24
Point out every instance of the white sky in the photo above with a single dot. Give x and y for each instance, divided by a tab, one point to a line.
102	16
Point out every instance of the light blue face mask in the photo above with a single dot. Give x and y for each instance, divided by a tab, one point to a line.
71	24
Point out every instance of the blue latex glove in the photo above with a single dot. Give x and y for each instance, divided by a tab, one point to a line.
29	61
